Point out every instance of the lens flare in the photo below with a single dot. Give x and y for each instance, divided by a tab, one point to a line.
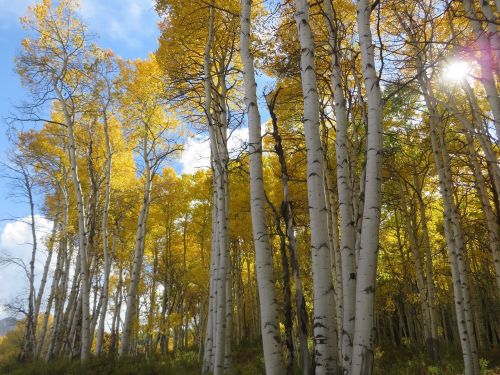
457	71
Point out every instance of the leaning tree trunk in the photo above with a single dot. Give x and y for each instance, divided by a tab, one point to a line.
288	217
324	324
364	332
451	227
263	255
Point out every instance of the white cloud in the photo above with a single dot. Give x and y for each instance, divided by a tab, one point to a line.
130	22
196	154
16	241
127	21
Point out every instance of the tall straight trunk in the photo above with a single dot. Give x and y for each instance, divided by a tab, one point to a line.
364	332
60	280
461	256
43	282
107	260
229	317
434	345
412	231
263	255
61	330
82	229
221	324
217	255
50	249
209	338
137	262
333	234
116	314
210	344
217	127
28	344
324	322
347	222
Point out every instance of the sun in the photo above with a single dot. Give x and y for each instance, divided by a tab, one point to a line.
457	71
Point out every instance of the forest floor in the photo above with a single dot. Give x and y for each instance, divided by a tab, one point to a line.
246	361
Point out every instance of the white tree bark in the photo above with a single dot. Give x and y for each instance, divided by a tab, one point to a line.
138	257
364	332
82	231
452	232
323	323
209	337
208	358
347	222
263	255
489	215
107	259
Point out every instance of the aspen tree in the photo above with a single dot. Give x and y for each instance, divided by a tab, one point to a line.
269	320
323	321
364	330
347	222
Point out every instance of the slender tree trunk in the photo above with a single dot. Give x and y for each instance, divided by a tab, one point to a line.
28	344
364	332
82	231
347	222
137	262
324	323
107	260
263	254
452	231
287	213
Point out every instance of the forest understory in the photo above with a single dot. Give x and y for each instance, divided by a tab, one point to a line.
248	360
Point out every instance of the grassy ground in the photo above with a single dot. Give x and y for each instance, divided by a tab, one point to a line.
247	361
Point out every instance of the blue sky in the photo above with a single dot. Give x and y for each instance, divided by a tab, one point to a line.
129	27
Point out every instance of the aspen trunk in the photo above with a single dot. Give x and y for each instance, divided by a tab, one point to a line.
82	229
28	344
347	222
489	215
364	332
287	213
452	233
263	255
107	260
324	323
208	347
429	274
136	264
